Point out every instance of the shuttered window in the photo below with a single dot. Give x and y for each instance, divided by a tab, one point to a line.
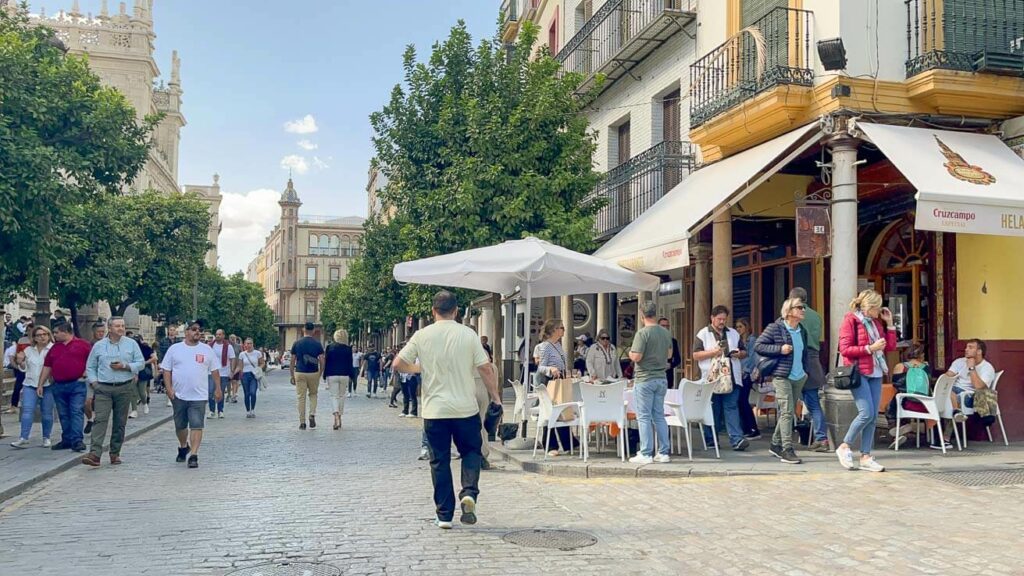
754	10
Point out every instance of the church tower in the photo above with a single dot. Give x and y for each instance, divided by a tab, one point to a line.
289	203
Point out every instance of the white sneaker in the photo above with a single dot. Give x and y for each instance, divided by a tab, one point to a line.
443	524
145	409
870	465
845	457
641	459
662	459
20	443
211	415
133	414
220	414
47	443
348	394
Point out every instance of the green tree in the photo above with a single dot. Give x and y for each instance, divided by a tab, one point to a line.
479	145
236	306
64	140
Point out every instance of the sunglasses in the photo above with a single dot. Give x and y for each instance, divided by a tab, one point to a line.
800	307
194	328
604	338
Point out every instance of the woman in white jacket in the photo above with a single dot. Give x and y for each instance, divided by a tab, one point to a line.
603	359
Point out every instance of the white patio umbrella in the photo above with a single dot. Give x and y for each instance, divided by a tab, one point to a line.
536	268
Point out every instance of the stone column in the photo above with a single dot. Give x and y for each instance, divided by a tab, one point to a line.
603	315
568	335
496	332
844	232
550	308
701	256
721	260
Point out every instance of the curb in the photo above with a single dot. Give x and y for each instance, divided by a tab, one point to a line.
73	462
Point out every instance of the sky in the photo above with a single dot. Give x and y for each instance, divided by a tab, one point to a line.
272	85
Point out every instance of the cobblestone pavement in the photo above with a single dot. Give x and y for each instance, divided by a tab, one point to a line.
358	500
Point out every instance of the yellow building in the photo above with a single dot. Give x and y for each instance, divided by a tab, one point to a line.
302	257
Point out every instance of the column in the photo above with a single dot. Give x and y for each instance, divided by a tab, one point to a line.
721	260
844	233
603	316
484	321
701	256
497	331
550	308
567	337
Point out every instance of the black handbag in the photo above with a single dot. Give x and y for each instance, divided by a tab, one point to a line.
844	377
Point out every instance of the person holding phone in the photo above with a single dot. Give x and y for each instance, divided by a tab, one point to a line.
718	339
866	334
112	366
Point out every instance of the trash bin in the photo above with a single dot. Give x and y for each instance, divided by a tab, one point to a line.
840	411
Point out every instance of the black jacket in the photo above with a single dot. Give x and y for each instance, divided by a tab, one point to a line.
769	344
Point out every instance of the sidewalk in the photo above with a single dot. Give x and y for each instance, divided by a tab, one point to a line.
22	467
756	461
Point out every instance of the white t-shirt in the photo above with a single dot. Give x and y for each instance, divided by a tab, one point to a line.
251	360
985	371
190	368
225	371
357	357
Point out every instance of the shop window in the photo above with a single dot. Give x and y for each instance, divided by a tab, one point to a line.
803	276
742	295
741	261
773	253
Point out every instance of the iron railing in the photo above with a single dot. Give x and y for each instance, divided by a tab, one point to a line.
613	29
633	187
335	252
297	319
965	35
319	284
775	50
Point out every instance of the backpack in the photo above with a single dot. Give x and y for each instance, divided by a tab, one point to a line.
917	380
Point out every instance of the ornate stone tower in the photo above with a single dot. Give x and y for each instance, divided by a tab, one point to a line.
289	203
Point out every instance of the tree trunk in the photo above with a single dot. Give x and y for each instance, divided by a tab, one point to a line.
121	308
74	319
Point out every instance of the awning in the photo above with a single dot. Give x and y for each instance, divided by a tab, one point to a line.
966	182
657	240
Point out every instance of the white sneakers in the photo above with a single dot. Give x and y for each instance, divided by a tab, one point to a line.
870	465
133	414
211	415
641	459
145	409
47	443
220	414
845	456
662	459
20	443
443	524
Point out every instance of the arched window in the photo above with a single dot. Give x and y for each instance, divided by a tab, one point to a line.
324	243
335	245
313	240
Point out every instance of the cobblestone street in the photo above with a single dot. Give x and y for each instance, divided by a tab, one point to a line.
360	501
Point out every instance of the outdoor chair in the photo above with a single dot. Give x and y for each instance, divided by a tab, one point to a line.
999	416
603	404
526	403
549	415
695	408
936	407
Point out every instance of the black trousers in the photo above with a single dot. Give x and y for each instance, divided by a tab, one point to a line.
440	433
410	394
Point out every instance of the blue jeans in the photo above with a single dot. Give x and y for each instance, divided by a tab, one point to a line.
866	397
214	405
813	403
372	381
70	400
650	415
249	387
726	409
29	401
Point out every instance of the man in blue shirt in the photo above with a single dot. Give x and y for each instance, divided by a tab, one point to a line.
112	365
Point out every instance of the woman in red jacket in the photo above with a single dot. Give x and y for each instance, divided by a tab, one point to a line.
863	342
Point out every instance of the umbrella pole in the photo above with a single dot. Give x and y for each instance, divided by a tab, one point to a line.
526	365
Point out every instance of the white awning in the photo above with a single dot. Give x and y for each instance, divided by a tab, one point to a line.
966	182
657	240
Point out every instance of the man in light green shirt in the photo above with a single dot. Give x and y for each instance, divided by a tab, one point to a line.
812	323
652	348
449	354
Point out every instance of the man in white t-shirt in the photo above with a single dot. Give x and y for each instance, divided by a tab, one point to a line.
225	358
972	371
449	355
187	368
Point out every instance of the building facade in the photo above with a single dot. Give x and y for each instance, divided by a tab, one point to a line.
211	195
302	257
799	115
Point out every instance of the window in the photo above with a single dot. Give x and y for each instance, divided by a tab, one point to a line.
553	34
311	277
311	310
335	275
335	245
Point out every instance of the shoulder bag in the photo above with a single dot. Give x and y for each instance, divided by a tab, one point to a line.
261	378
844	377
720	374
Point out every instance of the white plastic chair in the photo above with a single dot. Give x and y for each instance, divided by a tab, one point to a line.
694	408
602	404
937	406
968	411
549	415
526	403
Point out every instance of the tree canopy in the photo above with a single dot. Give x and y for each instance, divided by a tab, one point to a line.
237	306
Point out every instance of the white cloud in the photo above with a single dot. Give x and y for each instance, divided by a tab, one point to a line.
246	219
295	163
307	145
304	125
320	164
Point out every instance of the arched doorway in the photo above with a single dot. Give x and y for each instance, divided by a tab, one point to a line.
899	265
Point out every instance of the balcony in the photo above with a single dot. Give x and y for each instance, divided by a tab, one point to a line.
621	35
317	284
296	320
633	187
985	36
334	252
777	53
514	13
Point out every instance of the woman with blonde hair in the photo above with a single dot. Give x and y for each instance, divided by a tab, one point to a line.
337	372
863	342
253	364
552	364
30	361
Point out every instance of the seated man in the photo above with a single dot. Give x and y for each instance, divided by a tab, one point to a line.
972	372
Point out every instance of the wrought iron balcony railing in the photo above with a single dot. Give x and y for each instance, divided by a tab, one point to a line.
967	35
335	252
620	35
775	50
320	284
633	187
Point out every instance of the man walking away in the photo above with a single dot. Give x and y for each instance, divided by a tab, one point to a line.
225	356
187	368
449	354
111	368
236	375
164	345
65	363
306	366
652	347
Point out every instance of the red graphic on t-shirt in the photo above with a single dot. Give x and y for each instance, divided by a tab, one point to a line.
200	358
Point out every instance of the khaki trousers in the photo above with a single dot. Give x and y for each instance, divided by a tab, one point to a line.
306	384
110	404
